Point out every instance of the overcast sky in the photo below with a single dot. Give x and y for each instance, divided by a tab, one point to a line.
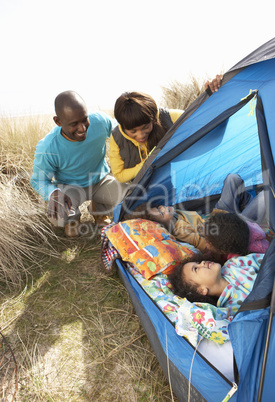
105	47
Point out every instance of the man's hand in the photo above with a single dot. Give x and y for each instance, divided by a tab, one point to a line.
59	204
163	215
215	84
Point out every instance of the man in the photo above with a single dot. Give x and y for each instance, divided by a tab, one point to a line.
70	166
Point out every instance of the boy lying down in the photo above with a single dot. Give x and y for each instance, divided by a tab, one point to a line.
231	229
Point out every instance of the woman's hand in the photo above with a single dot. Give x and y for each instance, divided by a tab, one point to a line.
215	84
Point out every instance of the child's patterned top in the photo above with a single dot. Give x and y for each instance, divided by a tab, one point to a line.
241	273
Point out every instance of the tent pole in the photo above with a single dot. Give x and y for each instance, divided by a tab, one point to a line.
271	315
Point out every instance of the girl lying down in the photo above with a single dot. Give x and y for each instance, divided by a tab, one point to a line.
228	285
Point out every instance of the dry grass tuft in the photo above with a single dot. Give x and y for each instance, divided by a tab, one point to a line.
76	336
19	137
180	95
25	233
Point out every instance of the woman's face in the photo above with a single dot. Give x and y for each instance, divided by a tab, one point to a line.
140	133
205	274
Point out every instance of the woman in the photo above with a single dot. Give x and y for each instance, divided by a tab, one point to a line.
141	126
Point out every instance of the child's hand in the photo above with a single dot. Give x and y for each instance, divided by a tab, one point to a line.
163	215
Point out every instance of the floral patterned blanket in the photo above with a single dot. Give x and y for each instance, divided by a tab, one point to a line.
191	320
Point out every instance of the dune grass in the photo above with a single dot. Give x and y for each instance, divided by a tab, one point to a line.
73	330
179	95
24	228
76	336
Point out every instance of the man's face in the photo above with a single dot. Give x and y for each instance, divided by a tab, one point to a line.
74	122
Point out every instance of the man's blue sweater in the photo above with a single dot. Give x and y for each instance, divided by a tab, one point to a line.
82	163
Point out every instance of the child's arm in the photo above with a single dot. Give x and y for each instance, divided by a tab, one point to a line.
251	262
117	165
186	229
183	225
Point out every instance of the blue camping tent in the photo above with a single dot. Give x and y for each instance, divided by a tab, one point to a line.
232	131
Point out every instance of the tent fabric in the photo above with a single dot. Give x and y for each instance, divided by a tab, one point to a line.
264	52
253	320
232	131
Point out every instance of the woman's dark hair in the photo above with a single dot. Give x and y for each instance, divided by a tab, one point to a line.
133	109
189	290
227	232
